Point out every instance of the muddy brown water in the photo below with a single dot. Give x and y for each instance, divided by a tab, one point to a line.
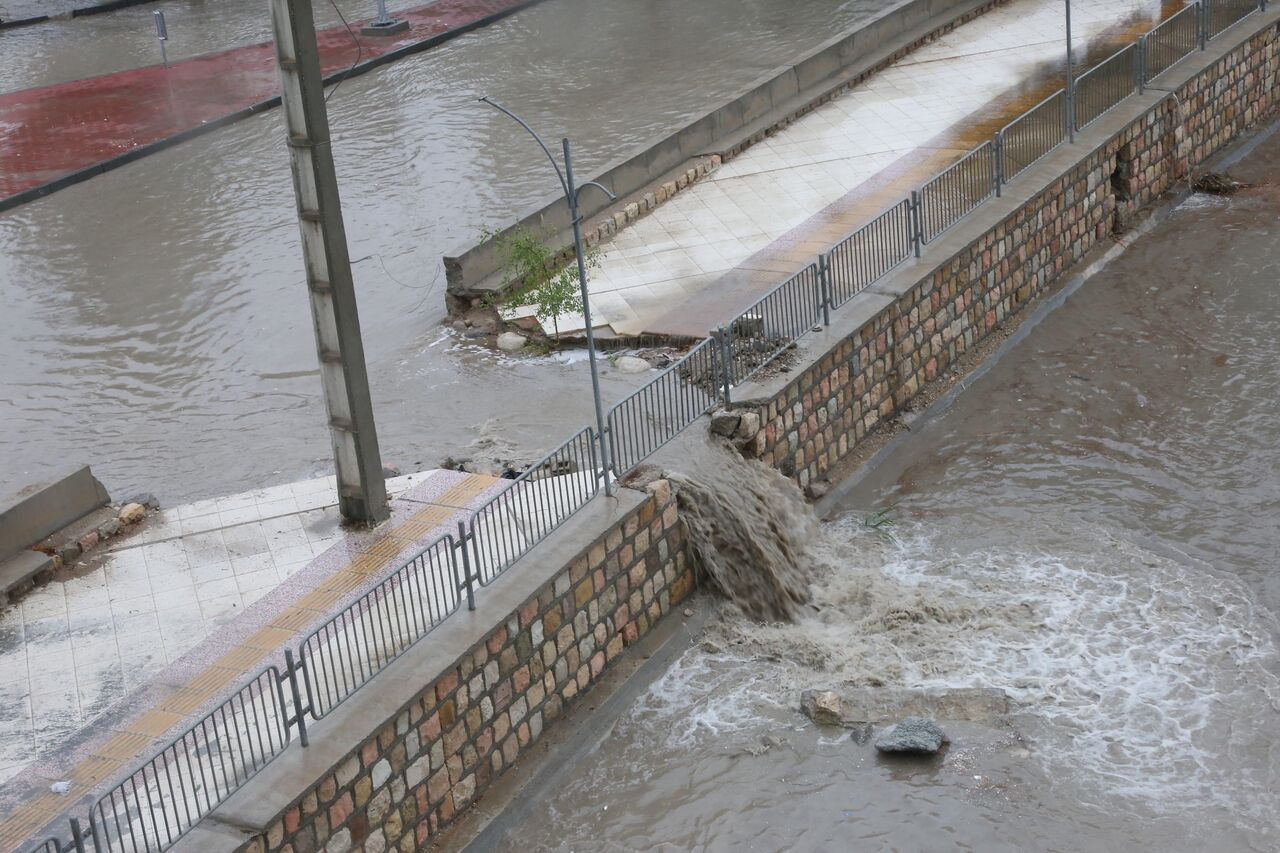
1092	528
163	301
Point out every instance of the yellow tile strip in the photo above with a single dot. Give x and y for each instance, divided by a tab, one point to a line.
131	740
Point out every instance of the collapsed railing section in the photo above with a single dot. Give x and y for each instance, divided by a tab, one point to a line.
171	791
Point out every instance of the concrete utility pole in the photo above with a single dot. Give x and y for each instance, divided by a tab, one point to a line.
362	494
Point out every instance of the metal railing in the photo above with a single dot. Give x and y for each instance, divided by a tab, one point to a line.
172	790
160	801
536	503
646	420
1173	40
954	193
1105	85
1031	135
1220	14
341	655
868	253
767	329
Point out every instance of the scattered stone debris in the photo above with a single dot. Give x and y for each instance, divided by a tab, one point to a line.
1217	183
912	735
742	427
822	706
724	423
817	490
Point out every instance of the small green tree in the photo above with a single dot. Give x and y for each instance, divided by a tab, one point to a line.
540	281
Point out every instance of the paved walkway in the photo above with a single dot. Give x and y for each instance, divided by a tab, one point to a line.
178	615
699	260
53	133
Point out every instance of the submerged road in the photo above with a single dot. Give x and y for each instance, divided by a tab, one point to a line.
71	131
163	301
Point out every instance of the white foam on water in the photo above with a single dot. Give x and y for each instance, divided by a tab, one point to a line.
704	699
1145	683
1145	678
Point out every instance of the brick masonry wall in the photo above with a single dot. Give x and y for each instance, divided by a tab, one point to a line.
414	775
875	373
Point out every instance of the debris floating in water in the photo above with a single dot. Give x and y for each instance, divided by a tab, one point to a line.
1217	183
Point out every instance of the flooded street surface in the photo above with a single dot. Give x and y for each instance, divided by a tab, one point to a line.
1091	528
156	318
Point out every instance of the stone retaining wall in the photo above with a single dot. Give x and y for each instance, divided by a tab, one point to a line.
870	376
416	772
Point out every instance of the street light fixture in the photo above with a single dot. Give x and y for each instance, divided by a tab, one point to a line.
571	191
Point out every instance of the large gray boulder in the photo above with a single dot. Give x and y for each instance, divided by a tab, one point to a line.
912	735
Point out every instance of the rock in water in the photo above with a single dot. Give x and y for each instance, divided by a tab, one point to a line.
912	735
631	364
511	341
821	706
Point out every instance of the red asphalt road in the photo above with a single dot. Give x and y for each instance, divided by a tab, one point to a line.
53	131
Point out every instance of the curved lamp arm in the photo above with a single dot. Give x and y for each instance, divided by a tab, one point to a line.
598	186
536	138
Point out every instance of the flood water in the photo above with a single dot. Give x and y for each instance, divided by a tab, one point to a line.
164	300
68	49
1093	528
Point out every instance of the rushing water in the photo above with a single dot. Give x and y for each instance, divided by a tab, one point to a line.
164	300
1091	528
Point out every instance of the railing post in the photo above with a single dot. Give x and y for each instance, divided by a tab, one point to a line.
1202	23
1140	64
466	566
726	368
824	287
917	229
291	675
997	154
77	835
93	833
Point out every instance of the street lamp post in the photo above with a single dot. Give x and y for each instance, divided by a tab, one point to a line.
1071	83
571	191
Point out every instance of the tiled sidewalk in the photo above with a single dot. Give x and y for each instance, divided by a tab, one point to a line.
175	616
700	259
